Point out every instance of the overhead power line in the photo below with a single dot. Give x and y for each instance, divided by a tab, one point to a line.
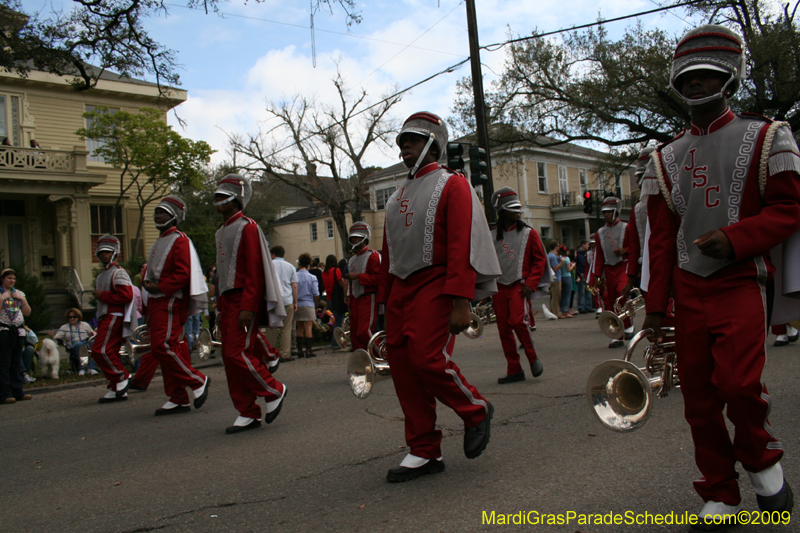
494	47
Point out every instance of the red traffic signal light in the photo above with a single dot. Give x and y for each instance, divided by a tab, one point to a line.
587	202
587	195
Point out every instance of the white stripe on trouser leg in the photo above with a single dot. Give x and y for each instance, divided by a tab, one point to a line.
173	354
526	319
371	314
105	343
457	380
253	331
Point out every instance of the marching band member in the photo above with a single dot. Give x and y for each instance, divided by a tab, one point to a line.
363	270
247	281
523	262
597	299
437	257
722	194
115	312
636	229
176	289
610	261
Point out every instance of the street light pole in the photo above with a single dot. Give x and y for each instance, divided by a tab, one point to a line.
481	128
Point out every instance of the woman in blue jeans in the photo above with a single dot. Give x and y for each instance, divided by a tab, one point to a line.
566	282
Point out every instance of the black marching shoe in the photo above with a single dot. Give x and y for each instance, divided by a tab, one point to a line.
793	338
628	336
272	415
230	430
477	438
616	343
161	411
200	400
782	501
780	342
519	376
399	474
537	368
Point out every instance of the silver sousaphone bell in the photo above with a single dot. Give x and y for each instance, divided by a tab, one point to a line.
621	394
367	367
475	329
208	341
84	352
138	344
342	334
612	322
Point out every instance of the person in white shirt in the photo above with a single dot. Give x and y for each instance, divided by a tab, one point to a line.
287	277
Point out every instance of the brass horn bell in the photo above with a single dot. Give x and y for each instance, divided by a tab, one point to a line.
342	334
475	329
612	322
621	394
208	341
367	367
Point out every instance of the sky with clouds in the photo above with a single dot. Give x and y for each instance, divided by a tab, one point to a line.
231	64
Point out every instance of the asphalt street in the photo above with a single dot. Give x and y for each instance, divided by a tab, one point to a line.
70	464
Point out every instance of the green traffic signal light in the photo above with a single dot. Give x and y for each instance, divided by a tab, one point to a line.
454	153
478	165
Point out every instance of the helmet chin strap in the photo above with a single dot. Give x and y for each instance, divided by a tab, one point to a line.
356	245
705	100
166	224
422	156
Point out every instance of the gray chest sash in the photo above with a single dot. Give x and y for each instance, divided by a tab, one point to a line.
228	239
641	223
104	284
410	220
708	175
610	239
358	265
511	254
156	259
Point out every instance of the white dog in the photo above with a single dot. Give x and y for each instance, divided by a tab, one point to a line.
49	358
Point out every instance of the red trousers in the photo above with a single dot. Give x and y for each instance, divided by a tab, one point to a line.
248	376
363	320
616	278
514	315
419	353
720	339
105	350
170	351
265	350
144	374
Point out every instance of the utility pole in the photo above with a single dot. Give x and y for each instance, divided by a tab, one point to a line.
481	128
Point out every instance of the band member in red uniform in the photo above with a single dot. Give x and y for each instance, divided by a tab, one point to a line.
247	281
363	270
637	227
115	311
523	262
723	194
437	257
176	289
609	269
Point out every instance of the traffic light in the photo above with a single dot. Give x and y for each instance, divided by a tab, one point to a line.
454	153
478	165
587	202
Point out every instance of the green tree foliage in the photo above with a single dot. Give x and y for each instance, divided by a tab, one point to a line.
151	157
35	293
110	34
589	87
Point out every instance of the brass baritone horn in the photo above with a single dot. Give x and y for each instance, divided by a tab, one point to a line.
612	323
475	329
208	341
137	345
621	395
367	367
342	334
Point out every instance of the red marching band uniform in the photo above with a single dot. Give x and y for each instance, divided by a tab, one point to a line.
173	265
734	181
363	306
247	282
436	248
115	312
523	262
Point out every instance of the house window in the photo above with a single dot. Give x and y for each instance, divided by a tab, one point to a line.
582	180
94	144
546	232
105	220
382	196
313	227
9	119
329	229
541	174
